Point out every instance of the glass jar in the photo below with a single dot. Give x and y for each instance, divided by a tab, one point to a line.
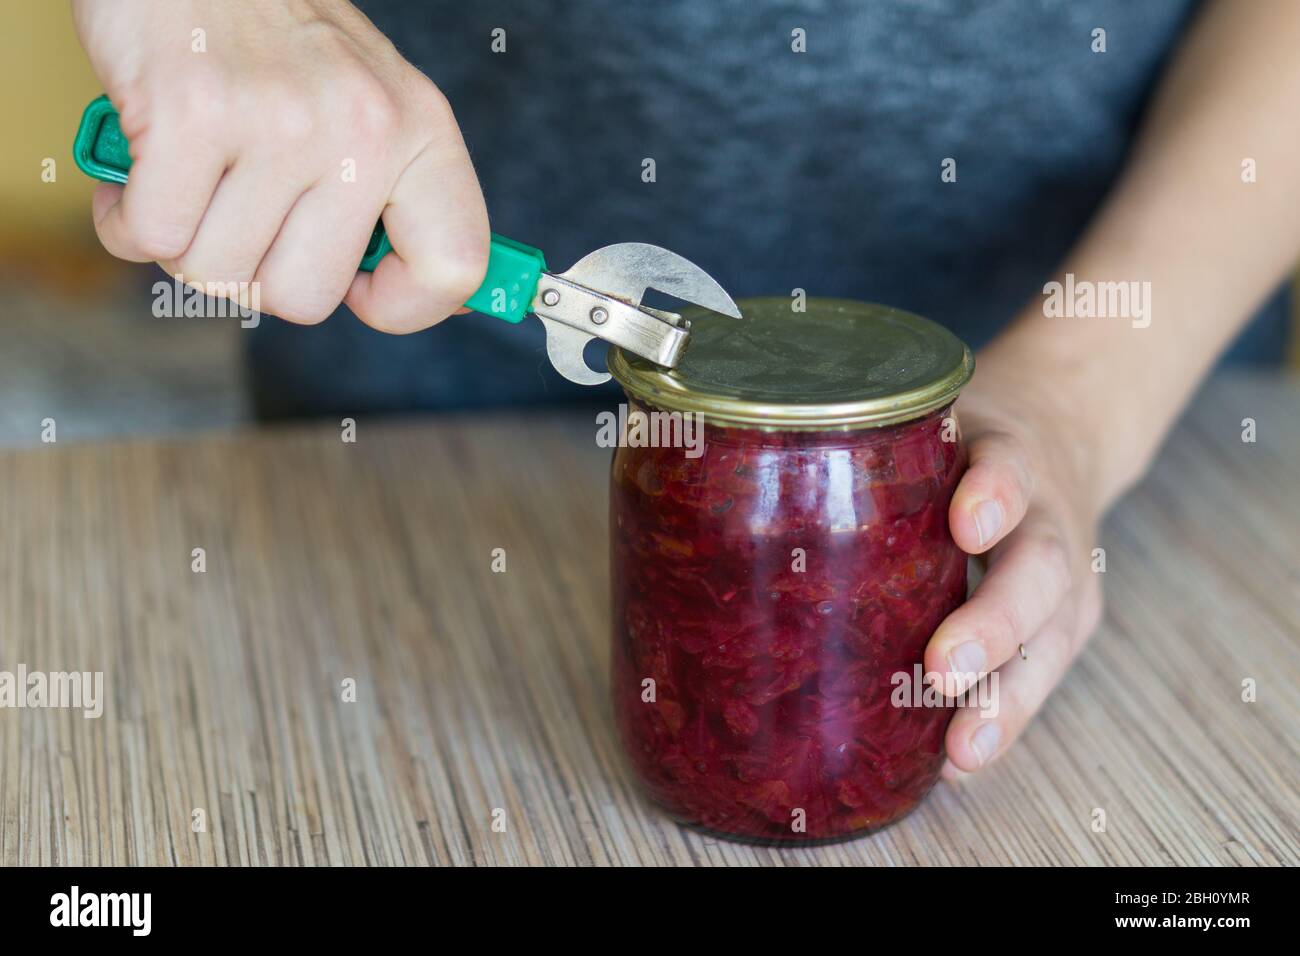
777	571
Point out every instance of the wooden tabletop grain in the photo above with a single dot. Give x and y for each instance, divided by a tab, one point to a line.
336	570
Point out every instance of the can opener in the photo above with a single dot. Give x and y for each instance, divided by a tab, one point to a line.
599	297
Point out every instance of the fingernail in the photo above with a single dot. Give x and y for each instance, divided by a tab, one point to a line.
985	742
968	658
988	520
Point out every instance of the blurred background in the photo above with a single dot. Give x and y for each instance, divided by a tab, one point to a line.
82	345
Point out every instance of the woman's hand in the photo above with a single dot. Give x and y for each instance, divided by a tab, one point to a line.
267	139
1026	503
1065	414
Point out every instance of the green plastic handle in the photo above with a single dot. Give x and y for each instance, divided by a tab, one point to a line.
100	150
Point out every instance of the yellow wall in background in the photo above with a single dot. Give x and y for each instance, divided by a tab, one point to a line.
48	82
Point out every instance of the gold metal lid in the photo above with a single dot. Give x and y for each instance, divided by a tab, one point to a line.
839	363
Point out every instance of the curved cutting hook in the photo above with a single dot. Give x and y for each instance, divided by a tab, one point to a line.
564	346
627	269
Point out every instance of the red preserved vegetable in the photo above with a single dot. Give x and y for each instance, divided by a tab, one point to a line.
771	589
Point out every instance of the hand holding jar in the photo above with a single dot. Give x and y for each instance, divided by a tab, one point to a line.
1030	503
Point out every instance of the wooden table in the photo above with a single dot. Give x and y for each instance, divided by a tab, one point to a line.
479	691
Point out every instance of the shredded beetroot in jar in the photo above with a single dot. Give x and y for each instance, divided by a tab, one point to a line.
771	716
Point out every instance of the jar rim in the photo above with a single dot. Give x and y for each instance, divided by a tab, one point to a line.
790	370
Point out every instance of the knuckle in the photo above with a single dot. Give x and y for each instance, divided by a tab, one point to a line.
431	103
1053	561
1017	701
1026	482
302	311
395	322
1008	457
1008	626
1009	441
377	317
1018	475
133	114
372	111
995	441
200	103
221	278
160	241
292	115
459	270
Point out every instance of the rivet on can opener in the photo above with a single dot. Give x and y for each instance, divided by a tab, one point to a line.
601	298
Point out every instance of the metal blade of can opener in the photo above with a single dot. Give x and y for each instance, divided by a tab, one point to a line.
600	298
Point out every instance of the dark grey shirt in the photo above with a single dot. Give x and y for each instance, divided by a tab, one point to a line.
775	170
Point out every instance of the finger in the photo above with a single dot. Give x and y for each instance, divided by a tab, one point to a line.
160	208
438	226
242	220
313	260
1022	589
993	493
104	198
985	728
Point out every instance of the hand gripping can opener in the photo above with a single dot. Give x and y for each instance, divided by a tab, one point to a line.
598	298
